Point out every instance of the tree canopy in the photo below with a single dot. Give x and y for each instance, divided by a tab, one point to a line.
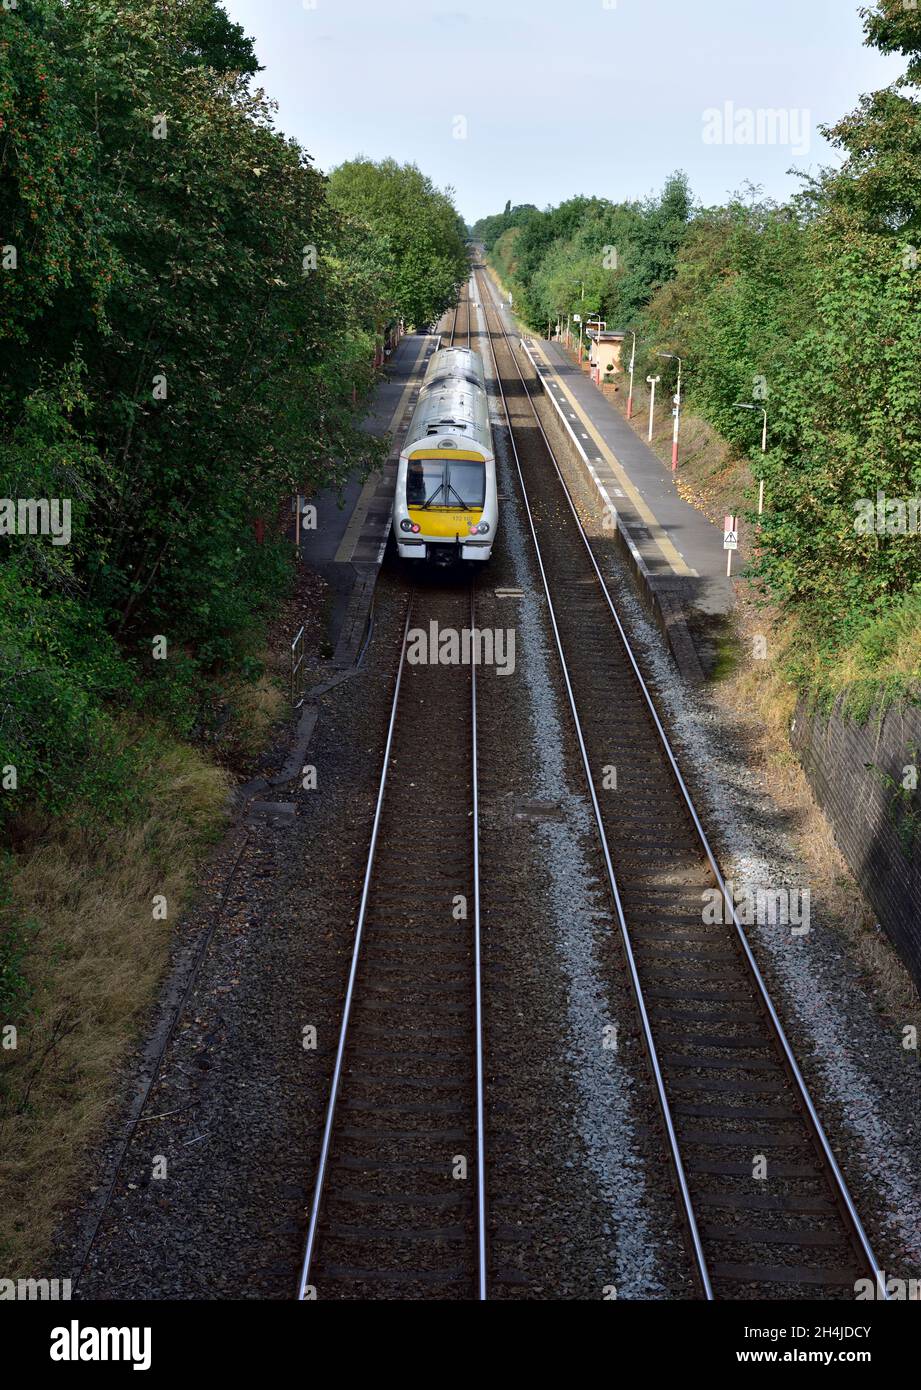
185	311
810	309
418	233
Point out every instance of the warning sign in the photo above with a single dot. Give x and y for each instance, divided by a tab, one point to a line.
731	533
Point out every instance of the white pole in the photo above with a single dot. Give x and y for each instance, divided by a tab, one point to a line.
652	408
632	365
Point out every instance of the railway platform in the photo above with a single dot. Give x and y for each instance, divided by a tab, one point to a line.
680	548
347	546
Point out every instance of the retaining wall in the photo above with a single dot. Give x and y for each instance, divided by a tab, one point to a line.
857	773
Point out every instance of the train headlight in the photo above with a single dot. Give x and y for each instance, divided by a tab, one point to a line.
416	528
406	525
483	528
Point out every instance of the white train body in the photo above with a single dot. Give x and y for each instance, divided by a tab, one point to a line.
445	506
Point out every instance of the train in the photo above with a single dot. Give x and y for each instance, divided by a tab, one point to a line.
445	506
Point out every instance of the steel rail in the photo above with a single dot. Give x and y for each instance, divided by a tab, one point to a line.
802	1089
454	322
478	984
480	1104
353	971
677	1163
465	301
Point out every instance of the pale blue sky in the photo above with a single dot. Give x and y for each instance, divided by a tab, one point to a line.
390	77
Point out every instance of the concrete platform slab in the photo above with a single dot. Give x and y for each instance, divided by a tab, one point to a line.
678	544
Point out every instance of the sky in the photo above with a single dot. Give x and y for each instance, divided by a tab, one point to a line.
537	100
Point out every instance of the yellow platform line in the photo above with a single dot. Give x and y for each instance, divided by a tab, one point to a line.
353	531
673	558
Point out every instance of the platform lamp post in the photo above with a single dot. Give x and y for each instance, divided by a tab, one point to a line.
599	324
677	410
652	403
744	405
632	367
577	318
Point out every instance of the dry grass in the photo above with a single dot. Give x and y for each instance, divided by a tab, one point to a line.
257	708
95	959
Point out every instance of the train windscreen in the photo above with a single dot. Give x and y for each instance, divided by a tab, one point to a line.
425	479
467	481
446	483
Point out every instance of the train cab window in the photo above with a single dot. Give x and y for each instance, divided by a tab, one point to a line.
425	479
467	482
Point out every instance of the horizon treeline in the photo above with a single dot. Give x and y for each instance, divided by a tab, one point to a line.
809	308
186	307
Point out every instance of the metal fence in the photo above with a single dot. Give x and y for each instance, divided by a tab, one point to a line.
297	669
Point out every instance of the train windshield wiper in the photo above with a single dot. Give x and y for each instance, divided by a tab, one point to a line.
429	501
464	505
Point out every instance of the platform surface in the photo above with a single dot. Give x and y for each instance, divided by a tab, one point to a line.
679	545
353	522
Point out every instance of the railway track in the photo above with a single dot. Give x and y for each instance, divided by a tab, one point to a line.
399	1205
766	1208
460	323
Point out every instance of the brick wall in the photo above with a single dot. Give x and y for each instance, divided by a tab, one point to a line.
848	766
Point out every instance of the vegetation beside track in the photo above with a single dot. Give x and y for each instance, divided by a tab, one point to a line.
810	309
188	311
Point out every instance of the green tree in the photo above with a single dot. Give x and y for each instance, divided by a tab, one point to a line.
183	317
417	227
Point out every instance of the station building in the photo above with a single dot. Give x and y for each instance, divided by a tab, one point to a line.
605	354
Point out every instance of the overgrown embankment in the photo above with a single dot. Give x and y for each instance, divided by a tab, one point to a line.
809	310
804	317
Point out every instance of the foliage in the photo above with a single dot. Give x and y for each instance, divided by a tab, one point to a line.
591	256
811	310
489	229
417	236
184	315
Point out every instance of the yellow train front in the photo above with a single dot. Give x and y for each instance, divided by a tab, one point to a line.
445	506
